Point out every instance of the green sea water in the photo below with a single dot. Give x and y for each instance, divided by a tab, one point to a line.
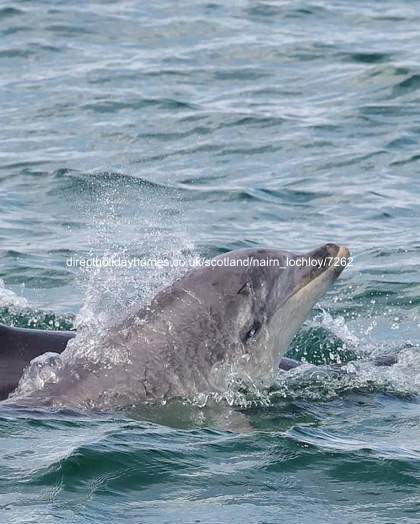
161	128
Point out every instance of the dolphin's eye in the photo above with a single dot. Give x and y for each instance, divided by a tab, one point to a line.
256	326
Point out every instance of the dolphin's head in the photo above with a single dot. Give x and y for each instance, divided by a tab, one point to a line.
276	291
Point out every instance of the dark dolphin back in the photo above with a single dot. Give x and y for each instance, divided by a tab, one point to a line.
19	346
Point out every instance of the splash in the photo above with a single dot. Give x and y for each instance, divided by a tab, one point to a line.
128	217
310	382
9	299
338	327
348	368
42	370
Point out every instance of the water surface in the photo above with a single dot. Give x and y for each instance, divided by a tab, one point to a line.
149	129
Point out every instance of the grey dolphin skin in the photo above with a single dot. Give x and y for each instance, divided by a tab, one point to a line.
239	313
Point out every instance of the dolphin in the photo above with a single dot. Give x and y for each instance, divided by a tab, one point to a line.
237	314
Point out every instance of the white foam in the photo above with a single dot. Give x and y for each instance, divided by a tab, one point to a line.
9	299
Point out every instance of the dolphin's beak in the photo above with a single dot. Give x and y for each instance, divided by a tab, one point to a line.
343	258
325	263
